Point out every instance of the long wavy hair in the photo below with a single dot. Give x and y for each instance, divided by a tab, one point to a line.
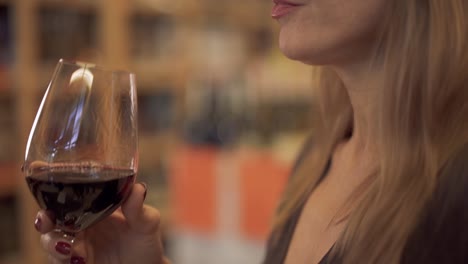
422	122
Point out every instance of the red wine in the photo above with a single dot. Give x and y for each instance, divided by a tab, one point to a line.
79	196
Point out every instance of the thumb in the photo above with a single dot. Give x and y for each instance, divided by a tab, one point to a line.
140	218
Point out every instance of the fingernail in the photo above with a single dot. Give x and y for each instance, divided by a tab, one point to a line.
63	248
77	260
38	223
146	190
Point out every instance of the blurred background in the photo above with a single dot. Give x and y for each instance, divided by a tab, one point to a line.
222	113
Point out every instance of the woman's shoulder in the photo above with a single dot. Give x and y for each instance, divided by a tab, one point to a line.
442	234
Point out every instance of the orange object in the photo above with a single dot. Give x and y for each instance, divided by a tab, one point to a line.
192	185
262	181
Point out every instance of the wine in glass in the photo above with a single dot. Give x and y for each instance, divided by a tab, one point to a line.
82	153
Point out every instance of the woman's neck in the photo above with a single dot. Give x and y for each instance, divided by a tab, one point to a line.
362	84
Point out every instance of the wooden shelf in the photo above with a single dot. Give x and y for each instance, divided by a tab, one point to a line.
235	14
181	8
76	5
149	9
6	94
9	177
5	81
156	74
198	11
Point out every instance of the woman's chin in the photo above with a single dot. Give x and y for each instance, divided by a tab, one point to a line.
291	51
300	50
303	55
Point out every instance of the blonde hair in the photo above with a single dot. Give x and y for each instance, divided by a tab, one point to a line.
423	122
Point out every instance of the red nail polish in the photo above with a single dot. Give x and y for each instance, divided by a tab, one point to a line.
63	248
38	223
77	260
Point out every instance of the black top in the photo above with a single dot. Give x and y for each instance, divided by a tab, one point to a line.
440	237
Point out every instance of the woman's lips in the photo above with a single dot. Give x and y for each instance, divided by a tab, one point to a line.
282	8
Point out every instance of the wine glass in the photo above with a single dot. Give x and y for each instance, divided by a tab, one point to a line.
82	153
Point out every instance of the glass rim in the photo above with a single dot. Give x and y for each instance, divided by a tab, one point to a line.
90	65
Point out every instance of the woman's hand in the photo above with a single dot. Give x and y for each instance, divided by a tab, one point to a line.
130	235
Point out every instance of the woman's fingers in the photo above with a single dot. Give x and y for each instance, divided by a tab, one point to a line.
61	250
43	222
140	218
79	254
56	246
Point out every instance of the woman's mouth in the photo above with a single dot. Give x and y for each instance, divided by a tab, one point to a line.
282	8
